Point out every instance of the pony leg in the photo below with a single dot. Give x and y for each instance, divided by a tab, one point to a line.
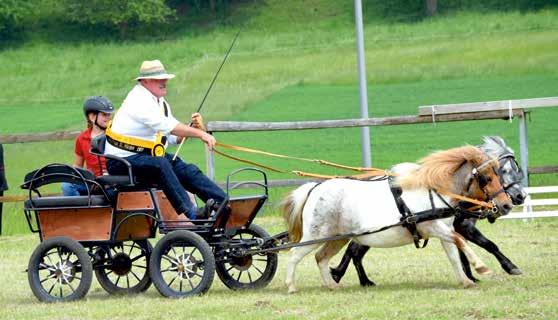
322	259
470	232
450	243
354	252
466	266
297	253
453	256
477	263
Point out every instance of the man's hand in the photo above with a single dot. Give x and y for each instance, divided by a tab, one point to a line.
209	140
197	121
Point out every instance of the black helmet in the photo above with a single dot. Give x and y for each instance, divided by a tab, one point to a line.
97	104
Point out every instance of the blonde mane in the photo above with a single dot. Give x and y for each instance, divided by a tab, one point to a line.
436	170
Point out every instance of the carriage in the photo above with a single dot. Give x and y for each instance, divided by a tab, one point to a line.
107	232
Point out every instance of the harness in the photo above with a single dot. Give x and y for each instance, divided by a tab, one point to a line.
410	220
154	148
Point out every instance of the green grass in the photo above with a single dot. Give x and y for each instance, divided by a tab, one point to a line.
390	145
296	62
411	284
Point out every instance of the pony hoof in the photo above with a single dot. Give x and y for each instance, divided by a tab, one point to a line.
368	284
483	270
291	290
469	284
334	286
515	272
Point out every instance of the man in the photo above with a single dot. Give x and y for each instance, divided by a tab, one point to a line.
140	132
97	111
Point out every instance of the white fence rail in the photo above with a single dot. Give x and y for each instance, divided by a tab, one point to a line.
530	204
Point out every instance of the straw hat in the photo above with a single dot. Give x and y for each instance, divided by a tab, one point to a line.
153	69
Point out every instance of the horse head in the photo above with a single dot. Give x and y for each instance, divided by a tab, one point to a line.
466	171
509	171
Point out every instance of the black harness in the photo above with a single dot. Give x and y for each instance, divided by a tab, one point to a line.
410	220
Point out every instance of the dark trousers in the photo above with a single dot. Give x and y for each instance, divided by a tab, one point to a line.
172	177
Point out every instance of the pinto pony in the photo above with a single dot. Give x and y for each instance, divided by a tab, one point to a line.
510	178
343	206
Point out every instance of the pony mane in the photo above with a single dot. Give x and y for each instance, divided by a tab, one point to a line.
495	146
436	170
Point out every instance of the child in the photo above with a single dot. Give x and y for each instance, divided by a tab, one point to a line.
97	111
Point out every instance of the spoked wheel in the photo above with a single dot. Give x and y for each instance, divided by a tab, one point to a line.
60	270
126	270
249	271
182	265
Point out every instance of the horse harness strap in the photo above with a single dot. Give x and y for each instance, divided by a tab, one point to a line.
410	220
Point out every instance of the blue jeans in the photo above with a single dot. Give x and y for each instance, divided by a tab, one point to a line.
172	177
73	189
79	189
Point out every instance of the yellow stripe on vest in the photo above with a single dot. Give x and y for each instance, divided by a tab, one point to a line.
155	148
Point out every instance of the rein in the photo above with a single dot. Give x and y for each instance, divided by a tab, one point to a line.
368	172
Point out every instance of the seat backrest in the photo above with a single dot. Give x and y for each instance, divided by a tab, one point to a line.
98	144
56	173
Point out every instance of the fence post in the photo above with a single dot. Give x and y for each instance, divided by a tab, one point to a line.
210	163
523	148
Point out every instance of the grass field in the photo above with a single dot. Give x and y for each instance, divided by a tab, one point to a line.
297	62
411	284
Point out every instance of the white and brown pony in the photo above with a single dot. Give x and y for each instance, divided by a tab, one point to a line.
344	206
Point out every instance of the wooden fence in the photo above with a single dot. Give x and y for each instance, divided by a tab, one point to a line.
505	109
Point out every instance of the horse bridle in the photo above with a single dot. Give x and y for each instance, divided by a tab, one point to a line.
511	158
483	181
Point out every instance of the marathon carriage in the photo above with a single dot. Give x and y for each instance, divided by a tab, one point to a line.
108	230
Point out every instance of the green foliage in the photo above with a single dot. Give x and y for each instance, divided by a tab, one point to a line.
121	15
414	10
12	15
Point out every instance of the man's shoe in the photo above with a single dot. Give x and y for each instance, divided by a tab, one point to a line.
205	211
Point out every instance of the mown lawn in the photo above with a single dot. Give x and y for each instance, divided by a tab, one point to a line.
411	284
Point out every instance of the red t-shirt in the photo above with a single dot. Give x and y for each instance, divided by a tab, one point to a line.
82	147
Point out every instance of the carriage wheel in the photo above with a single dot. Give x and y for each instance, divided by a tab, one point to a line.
182	265
250	271
127	271
60	270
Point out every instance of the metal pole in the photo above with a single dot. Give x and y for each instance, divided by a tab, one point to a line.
364	131
523	148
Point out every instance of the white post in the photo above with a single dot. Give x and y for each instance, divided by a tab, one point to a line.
523	149
364	131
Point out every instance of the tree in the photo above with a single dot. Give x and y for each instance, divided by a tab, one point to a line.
12	14
121	15
431	7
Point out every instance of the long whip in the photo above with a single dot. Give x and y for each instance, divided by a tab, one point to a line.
209	89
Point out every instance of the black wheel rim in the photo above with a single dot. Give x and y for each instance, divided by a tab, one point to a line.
182	267
59	272
128	265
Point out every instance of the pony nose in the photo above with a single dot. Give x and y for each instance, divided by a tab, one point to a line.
518	199
505	208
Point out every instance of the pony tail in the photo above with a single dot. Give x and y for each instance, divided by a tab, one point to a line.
292	207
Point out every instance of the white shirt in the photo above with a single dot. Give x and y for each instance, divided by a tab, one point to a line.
142	116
